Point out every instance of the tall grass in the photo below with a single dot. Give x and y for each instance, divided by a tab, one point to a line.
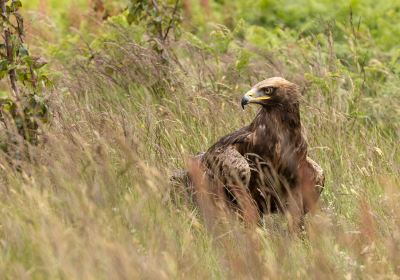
95	201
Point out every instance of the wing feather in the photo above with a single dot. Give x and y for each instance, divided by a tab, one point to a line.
311	180
228	165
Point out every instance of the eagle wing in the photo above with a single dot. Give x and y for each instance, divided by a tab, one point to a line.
229	176
312	181
227	165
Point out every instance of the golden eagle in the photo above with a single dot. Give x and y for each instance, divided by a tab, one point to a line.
263	167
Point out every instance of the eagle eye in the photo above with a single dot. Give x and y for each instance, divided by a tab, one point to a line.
268	90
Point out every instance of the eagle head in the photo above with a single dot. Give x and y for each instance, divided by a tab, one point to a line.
272	92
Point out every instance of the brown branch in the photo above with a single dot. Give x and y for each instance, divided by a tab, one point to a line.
10	50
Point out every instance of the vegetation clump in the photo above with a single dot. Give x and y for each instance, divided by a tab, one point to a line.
133	94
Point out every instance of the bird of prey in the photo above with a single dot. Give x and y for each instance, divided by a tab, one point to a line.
263	167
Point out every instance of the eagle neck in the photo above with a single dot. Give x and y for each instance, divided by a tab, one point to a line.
277	137
280	117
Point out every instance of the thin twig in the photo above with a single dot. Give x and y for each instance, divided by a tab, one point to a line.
159	24
171	20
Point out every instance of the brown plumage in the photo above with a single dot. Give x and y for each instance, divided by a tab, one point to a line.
266	163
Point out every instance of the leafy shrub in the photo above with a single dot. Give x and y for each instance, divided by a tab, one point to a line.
25	105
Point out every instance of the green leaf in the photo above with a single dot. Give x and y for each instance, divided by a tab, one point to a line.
23	51
4	95
158	19
3	65
3	68
130	17
15	5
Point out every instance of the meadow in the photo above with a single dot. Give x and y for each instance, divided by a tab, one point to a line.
134	94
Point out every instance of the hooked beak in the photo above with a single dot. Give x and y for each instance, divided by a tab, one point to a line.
252	97
245	101
247	97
